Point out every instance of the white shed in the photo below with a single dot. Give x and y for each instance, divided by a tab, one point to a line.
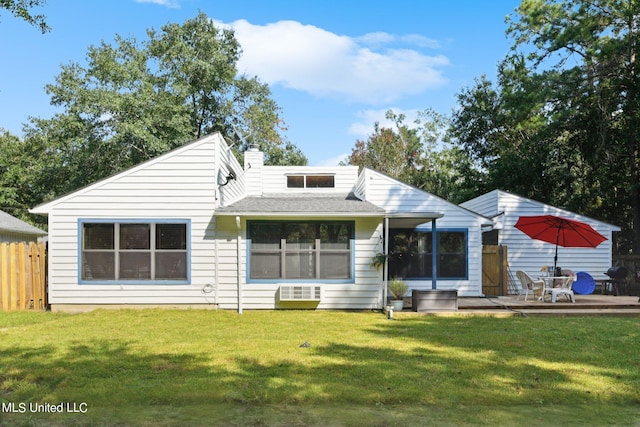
531	255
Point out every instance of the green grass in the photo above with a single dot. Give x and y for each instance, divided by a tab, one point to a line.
192	367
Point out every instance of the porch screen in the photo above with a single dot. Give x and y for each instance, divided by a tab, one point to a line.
133	251
411	254
300	250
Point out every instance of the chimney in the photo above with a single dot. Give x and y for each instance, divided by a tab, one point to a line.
253	162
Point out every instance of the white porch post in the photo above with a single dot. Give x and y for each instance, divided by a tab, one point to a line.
434	254
385	269
239	263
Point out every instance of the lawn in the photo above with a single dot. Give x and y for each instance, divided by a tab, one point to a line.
196	367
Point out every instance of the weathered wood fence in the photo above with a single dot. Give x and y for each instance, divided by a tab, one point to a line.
22	276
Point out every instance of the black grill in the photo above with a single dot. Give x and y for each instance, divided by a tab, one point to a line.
618	277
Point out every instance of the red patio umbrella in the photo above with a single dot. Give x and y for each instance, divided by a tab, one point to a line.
560	231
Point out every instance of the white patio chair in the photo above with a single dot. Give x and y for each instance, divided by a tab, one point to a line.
563	289
528	286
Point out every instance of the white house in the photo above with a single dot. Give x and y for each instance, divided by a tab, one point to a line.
13	229
531	255
193	227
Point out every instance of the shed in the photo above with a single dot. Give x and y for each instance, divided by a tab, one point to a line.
532	255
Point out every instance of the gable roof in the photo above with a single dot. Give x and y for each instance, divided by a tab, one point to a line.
435	203
45	208
497	194
15	225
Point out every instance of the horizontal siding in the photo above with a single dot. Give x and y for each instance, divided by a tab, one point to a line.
365	293
274	178
184	185
531	255
9	236
397	197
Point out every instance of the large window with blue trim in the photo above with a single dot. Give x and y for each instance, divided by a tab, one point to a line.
411	254
131	251
300	250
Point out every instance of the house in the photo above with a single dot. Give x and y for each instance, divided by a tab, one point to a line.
531	255
193	227
14	230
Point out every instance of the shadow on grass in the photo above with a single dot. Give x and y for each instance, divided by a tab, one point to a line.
422	366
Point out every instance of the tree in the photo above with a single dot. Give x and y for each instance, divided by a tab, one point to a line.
391	151
133	101
592	46
21	9
17	189
562	123
420	155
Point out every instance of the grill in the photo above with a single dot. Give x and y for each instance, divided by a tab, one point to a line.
618	277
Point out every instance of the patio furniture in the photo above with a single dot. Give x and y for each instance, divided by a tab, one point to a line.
529	285
559	285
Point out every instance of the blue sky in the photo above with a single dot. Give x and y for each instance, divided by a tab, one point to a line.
334	66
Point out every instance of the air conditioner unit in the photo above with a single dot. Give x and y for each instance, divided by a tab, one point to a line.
300	292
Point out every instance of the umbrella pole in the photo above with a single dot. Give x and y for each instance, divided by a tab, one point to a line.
555	259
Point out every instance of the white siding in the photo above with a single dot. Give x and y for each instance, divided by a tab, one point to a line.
274	178
182	184
187	183
365	293
397	197
531	255
12	236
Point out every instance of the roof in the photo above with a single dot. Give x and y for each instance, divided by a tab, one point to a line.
303	204
46	207
545	206
13	224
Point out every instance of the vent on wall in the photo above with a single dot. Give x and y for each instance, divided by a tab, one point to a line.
300	292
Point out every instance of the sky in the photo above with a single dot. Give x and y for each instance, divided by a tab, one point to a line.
334	66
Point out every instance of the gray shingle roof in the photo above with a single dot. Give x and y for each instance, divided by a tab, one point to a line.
13	224
304	204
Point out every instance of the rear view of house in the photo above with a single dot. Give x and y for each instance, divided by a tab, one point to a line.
193	227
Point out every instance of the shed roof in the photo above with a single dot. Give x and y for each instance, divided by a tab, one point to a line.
304	204
13	224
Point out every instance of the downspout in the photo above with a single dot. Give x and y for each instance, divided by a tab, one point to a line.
239	264
434	254
385	270
216	263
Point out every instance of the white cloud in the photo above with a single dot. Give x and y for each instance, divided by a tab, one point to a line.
172	4
325	64
363	126
333	161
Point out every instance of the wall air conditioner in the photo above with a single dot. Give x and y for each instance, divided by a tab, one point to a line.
300	292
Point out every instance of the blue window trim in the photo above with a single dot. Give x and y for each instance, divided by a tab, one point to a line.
82	221
249	280
425	229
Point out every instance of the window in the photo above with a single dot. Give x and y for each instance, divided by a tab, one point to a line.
300	250
133	251
310	181
411	254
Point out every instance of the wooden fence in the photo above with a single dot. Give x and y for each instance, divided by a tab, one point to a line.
22	276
